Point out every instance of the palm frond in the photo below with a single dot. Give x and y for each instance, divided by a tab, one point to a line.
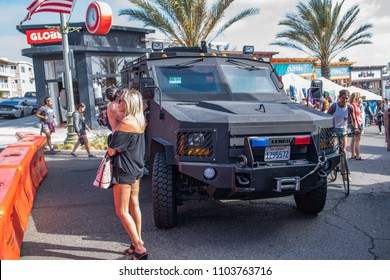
319	29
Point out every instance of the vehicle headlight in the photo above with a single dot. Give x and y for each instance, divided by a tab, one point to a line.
196	140
195	143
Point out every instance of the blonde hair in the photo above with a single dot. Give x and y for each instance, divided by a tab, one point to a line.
134	105
354	97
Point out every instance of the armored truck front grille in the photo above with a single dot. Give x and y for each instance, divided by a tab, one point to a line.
196	144
327	141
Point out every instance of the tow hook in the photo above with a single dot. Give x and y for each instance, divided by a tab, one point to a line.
242	180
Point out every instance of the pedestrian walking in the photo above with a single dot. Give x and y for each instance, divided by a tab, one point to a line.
80	127
362	107
379	116
127	147
356	129
47	115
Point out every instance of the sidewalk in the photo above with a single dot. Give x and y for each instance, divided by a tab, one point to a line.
8	129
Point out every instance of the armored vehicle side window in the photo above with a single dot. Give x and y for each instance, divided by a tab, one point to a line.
249	79
191	79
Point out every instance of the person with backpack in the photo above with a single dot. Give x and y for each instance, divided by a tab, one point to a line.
80	127
342	111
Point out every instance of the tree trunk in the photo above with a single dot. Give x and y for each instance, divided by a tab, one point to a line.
325	70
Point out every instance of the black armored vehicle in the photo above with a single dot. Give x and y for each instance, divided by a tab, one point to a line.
222	127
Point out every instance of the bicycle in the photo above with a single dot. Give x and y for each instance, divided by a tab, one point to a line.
341	168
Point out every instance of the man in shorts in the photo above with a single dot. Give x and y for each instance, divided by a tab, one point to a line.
46	115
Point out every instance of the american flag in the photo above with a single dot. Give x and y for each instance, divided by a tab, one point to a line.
51	6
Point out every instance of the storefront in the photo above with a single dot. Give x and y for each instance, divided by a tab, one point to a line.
368	78
309	68
96	61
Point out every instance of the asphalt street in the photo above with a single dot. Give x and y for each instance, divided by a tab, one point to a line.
72	220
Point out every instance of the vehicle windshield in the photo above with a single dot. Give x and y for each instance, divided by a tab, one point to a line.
249	79
189	79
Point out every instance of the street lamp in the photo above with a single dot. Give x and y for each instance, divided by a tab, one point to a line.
71	136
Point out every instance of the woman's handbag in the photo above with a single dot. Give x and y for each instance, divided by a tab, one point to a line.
104	173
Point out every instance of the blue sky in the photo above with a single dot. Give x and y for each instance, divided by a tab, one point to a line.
258	30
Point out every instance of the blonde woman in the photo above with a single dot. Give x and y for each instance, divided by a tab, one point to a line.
356	130
127	146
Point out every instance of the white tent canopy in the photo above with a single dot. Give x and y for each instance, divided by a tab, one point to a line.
369	95
331	87
297	82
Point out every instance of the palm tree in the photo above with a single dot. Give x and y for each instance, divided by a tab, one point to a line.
343	59
319	30
185	22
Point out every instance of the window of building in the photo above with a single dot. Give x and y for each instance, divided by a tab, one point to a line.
22	69
54	69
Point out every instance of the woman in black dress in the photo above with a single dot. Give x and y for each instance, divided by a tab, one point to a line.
127	146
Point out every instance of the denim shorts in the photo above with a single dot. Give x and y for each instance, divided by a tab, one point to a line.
340	131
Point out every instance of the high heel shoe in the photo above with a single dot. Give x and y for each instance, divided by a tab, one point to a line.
138	256
129	251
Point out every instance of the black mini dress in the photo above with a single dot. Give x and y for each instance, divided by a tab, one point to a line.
128	165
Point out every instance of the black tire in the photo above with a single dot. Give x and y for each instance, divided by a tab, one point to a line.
163	191
345	172
312	202
33	111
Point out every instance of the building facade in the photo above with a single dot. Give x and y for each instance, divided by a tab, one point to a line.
16	78
369	78
95	60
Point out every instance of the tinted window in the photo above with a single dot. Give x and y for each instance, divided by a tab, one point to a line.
248	79
191	79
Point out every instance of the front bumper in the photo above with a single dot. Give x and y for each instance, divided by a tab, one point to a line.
272	180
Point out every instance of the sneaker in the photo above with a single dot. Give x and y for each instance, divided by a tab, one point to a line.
91	156
73	154
380	133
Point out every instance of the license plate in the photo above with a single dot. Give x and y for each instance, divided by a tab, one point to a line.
277	153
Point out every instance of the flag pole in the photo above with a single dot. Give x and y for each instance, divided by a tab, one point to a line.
71	137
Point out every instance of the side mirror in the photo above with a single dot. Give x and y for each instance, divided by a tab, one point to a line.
316	89
146	86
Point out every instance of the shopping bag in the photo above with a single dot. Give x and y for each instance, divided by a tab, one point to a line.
104	173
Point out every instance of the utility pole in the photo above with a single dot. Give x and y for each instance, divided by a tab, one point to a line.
71	137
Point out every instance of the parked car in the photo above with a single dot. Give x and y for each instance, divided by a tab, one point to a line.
15	108
31	98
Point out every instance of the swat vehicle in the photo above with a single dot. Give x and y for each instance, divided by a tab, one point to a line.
222	127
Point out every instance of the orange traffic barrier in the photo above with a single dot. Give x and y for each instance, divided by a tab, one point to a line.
20	158
11	234
23	134
38	167
22	169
